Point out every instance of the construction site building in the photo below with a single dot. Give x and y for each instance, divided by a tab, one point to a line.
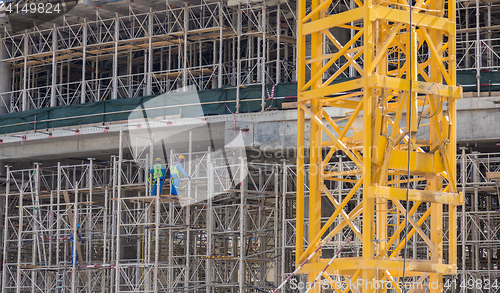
91	98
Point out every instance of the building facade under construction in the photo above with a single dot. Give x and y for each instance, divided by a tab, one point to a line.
90	99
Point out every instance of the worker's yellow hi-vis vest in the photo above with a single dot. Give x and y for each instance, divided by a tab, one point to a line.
174	170
157	171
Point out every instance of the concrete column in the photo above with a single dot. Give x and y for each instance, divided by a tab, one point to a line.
5	82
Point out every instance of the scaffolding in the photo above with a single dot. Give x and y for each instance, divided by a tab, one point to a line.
478	42
128	236
130	241
480	220
207	45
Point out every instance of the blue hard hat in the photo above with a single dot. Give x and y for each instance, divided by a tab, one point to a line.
78	225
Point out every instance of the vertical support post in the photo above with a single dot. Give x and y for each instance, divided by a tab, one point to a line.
210	220
242	207
188	215
130	79
489	53
463	216
61	77
24	101
36	211
157	240
68	78
276	219
20	235
105	257
221	43
185	59
475	230
7	78
90	228
238	59
149	90
75	253
117	177
51	235
264	57
283	224
316	181
278	44
368	208
452	67
170	274
58	220
115	59
301	76
84	63
114	228
53	98
478	51
6	230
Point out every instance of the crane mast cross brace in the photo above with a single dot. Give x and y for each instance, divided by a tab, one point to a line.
399	134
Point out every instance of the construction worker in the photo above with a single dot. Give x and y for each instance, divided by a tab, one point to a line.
175	171
159	173
74	254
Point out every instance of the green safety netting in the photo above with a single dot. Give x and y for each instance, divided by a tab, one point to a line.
213	102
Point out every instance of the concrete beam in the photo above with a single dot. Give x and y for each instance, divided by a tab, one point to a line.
274	131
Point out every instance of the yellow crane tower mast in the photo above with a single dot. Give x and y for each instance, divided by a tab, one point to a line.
404	96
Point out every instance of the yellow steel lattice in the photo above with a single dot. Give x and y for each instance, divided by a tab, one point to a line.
390	56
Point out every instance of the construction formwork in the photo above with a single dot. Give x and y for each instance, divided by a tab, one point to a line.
205	45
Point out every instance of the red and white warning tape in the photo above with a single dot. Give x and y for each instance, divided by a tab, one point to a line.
234	117
270	96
